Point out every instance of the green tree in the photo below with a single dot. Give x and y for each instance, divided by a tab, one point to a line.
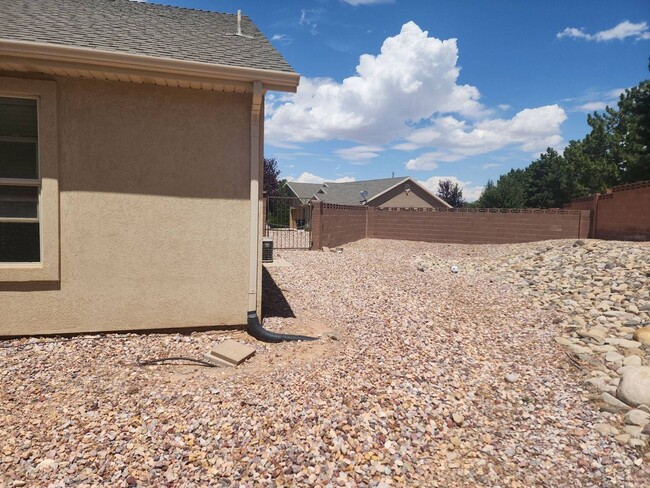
284	190
508	192
585	172
545	181
630	133
271	173
615	151
488	197
451	193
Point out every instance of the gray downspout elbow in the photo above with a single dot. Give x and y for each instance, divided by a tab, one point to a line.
261	334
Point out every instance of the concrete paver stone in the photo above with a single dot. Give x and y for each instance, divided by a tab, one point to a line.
231	353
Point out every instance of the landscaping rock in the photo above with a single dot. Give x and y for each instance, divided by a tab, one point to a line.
642	335
634	388
382	406
623	438
613	356
632	360
601	383
606	429
625	343
614	402
637	443
512	377
633	430
637	417
458	419
597	333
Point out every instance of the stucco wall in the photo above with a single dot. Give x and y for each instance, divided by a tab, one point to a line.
397	197
154	212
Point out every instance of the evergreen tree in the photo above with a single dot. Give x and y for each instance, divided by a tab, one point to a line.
615	151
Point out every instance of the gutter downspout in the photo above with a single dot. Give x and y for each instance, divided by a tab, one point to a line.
253	322
254	197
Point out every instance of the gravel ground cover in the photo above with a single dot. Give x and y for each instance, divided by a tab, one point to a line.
423	377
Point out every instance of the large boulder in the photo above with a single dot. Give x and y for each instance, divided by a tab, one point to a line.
634	387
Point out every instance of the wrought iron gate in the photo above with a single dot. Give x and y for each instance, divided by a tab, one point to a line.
288	222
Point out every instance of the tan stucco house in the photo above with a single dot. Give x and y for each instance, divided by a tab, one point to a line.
402	192
131	139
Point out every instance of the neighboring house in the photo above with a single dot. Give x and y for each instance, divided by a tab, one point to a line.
131	139
387	192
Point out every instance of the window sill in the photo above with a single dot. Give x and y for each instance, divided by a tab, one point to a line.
18	272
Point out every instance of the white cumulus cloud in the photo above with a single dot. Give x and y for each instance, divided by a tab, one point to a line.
359	153
412	78
622	31
470	192
406	97
312	178
531	130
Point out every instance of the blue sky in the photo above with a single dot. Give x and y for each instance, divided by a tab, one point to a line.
466	89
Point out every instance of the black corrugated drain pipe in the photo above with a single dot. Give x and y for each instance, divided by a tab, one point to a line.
261	334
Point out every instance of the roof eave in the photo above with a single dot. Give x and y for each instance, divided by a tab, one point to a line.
46	57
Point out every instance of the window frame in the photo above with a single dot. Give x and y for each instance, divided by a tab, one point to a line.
45	94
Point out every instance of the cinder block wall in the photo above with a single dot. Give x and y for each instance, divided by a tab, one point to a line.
586	203
334	225
477	226
624	213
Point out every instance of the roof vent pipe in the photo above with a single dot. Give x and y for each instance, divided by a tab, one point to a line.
239	33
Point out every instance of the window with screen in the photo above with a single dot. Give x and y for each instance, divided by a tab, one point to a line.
19	181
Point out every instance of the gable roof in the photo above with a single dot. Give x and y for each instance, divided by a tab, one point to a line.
304	190
350	193
141	28
140	43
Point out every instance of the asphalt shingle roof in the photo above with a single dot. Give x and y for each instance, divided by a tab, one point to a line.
141	28
345	193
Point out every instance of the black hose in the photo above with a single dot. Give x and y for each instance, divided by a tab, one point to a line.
151	362
261	334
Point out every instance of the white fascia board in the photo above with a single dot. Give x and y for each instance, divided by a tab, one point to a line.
51	55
